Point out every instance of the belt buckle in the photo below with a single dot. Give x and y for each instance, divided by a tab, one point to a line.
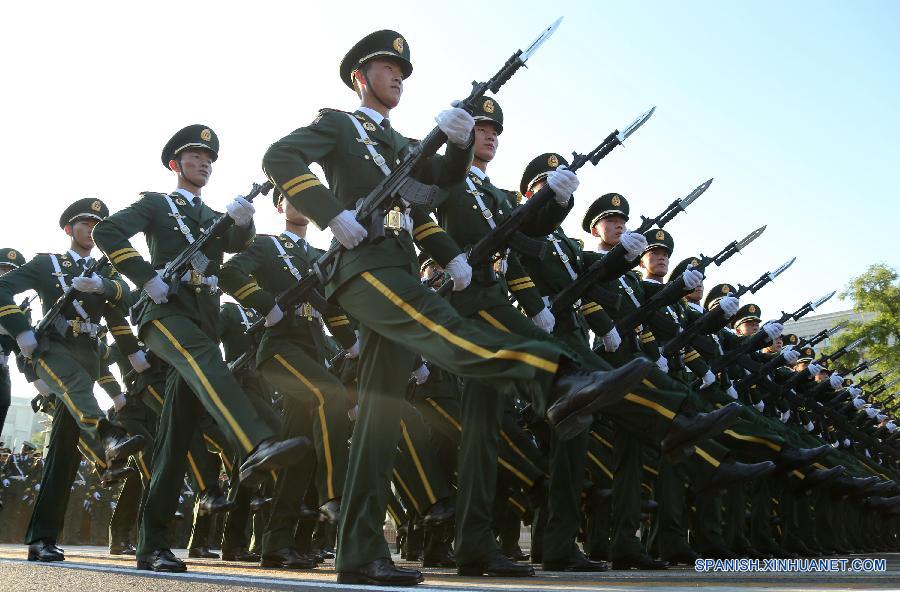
306	311
378	159
487	214
196	278
394	219
76	327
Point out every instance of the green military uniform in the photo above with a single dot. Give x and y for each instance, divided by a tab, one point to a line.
182	332
67	360
9	259
378	285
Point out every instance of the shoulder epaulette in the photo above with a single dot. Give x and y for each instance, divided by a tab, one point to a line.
325	110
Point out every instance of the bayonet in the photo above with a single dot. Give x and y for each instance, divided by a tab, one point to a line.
822	300
634	125
545	34
750	238
782	269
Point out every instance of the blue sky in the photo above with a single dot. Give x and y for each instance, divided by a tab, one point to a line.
792	107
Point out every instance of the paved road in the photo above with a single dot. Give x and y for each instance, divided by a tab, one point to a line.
90	569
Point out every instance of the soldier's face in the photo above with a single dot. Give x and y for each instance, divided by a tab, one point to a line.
747	328
609	229
486	141
656	261
80	231
195	166
292	214
696	295
386	78
4	269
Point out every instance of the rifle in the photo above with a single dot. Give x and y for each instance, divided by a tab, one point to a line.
862	366
778	360
675	289
193	259
876	378
401	184
52	318
507	232
563	303
715	317
760	339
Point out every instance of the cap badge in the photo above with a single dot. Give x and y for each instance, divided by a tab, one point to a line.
398	44
751	309
695	263
553	161
488	106
11	255
96	205
660	235
206	134
726	289
615	201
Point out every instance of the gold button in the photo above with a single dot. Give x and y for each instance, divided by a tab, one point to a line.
474	207
366	156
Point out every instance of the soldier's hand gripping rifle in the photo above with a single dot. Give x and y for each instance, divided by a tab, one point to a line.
193	259
401	184
713	320
824	385
507	233
53	319
676	289
760	339
614	264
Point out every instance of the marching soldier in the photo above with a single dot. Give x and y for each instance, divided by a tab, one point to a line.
67	361
9	259
376	283
181	330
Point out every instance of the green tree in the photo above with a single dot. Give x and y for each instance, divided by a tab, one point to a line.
875	294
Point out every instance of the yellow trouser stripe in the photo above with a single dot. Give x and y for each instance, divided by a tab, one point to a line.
446	415
155	394
393	516
651	470
518	474
65	393
503	354
298	179
515	448
143	465
639	400
602	467
323	423
224	458
196	472
418	464
423	235
798	474
602	440
819	465
213	395
706	456
492	321
516	504
754	439
408	492
90	451
303	187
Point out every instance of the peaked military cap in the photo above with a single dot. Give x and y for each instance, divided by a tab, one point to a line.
11	257
380	44
192	136
716	293
789	339
748	312
28	446
683	266
659	238
84	208
807	354
539	168
610	204
489	110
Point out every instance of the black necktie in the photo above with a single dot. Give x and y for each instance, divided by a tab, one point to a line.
386	124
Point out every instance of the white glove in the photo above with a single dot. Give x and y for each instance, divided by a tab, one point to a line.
663	364
785	416
880	417
814	369
6	483
27	342
708	379
157	289
729	306
88	285
118	402
241	211
347	230
353	352
86	505
809	427
858	403
871	412
731	392
611	341
836	381
97	495
41	386
457	124
760	406
544	320
421	374
692	279
891	426
460	272
274	316
790	355
634	244
847	442
139	361
180	499
773	330
563	182
854	391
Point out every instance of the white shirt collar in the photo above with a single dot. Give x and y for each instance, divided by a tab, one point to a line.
653	280
372	113
75	256
292	236
478	172
695	306
187	194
